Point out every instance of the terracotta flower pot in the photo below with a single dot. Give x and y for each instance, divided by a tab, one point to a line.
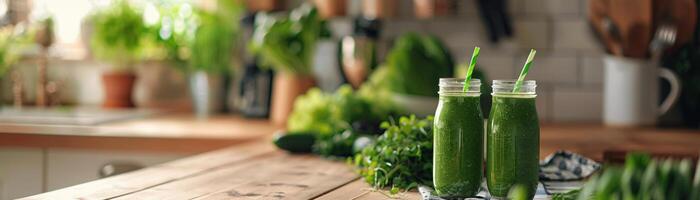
118	87
264	5
379	9
331	8
285	90
425	9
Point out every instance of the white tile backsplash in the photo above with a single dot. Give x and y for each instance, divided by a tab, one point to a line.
532	33
592	70
573	33
550	68
576	104
544	102
567	67
497	67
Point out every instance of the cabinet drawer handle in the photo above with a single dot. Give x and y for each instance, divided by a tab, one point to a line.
118	167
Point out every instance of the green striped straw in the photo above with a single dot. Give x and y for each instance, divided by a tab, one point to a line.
523	73
470	69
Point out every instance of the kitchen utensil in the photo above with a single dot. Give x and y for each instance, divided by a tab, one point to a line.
596	14
664	37
496	19
624	25
615	42
631	91
679	13
634	19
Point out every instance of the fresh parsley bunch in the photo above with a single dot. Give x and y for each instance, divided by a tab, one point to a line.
402	157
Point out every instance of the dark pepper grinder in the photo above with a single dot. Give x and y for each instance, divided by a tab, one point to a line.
255	91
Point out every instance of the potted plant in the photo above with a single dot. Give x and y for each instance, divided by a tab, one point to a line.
425	9
210	60
11	45
379	9
331	8
116	38
287	45
264	5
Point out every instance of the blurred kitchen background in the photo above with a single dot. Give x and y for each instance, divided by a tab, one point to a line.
569	66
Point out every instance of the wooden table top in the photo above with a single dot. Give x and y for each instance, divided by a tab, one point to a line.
257	170
165	133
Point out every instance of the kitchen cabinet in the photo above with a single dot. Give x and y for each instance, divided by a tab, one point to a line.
21	172
36	158
29	171
66	167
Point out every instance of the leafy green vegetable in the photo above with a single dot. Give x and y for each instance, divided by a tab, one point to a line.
118	33
641	178
567	195
288	44
329	115
402	157
414	66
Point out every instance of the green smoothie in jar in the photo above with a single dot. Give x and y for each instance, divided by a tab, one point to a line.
513	139
458	139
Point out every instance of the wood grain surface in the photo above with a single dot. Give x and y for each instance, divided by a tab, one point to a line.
257	170
164	133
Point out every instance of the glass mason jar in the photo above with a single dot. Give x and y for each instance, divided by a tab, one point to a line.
513	139
458	136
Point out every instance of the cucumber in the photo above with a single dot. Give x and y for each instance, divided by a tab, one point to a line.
295	142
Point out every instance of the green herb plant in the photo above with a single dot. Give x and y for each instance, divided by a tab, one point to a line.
287	44
118	33
170	36
11	45
401	158
214	42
